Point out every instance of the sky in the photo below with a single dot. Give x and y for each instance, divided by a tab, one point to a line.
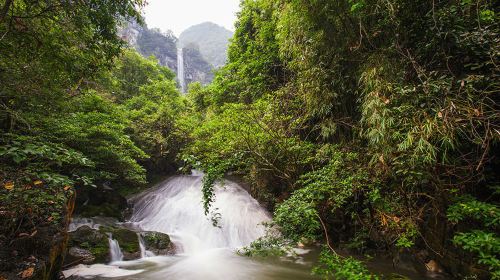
178	15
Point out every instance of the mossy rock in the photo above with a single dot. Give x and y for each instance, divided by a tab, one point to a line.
92	240
158	243
128	240
97	243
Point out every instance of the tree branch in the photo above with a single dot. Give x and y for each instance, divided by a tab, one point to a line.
326	235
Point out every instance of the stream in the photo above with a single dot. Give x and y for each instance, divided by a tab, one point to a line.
203	251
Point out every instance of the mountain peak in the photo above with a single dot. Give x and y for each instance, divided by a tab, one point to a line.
212	41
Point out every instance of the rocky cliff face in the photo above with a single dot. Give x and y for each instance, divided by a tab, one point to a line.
130	33
163	45
196	68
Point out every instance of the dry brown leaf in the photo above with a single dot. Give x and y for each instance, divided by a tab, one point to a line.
384	220
28	272
67	188
9	185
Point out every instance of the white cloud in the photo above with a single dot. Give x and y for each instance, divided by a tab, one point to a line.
177	15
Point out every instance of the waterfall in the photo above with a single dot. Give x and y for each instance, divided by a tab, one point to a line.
175	208
144	253
180	69
114	249
202	251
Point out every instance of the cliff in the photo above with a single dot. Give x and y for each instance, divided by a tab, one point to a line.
163	45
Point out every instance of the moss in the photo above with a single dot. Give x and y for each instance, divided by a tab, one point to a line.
126	238
100	252
94	241
157	240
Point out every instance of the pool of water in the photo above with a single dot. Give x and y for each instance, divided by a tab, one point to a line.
215	264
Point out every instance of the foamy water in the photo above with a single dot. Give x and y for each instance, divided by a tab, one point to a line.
203	251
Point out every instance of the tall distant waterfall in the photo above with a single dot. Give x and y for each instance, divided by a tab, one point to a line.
180	69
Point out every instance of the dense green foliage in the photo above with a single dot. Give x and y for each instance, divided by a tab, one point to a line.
368	124
77	110
379	118
333	266
48	50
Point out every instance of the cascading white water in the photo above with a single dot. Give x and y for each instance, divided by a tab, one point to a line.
114	250
203	251
144	253
176	208
180	69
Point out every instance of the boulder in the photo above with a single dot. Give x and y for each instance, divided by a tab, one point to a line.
127	239
158	243
80	255
91	240
88	245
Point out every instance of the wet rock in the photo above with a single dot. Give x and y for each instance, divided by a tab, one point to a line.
127	239
89	245
91	240
158	243
80	255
